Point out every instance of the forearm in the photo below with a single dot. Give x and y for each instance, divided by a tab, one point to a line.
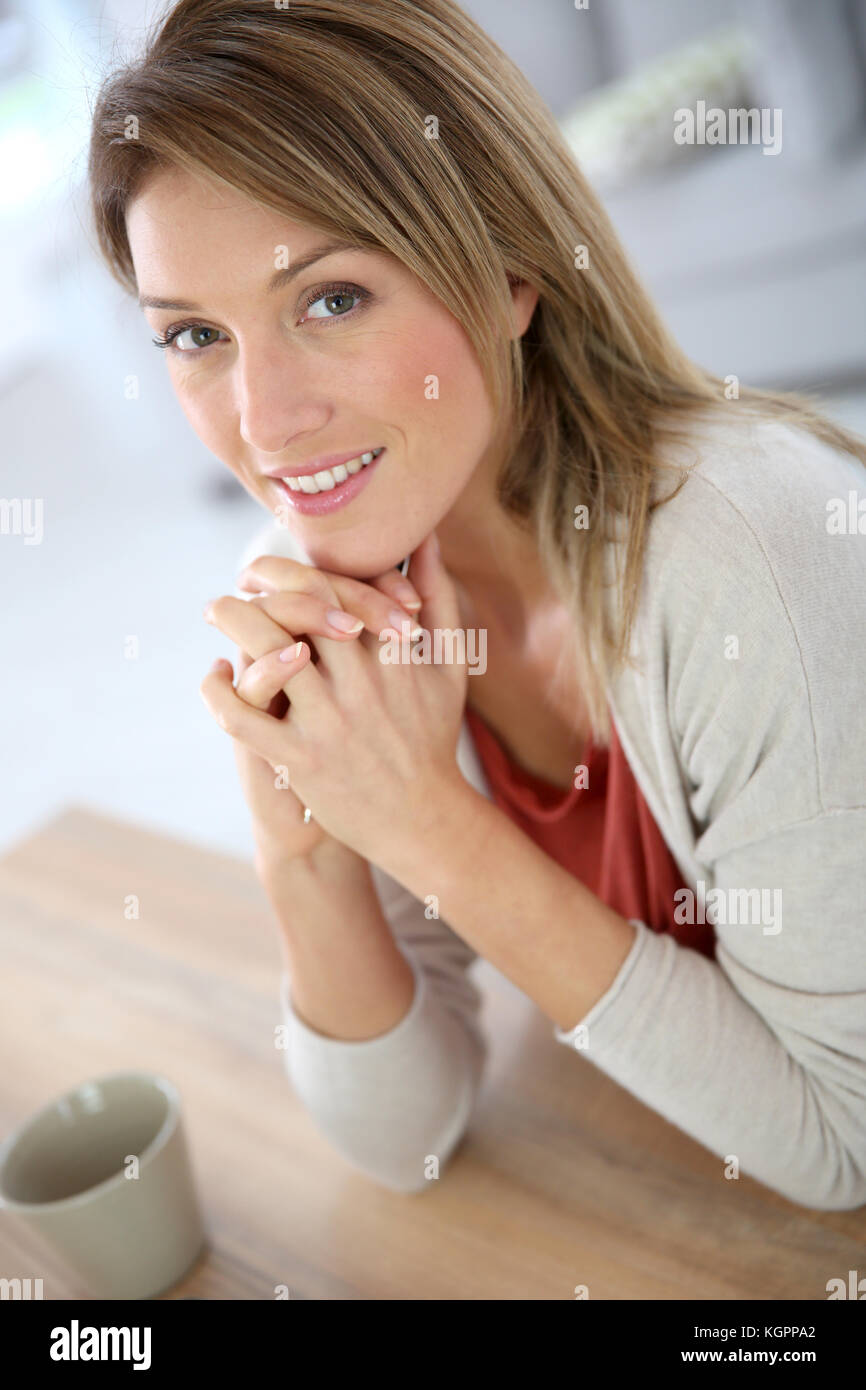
349	980
513	904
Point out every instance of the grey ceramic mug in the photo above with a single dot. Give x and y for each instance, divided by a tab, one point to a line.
103	1175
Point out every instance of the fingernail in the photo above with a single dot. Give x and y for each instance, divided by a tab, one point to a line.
397	619
292	653
208	613
342	621
407	596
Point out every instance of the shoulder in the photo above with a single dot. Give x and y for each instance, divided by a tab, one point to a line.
753	612
758	491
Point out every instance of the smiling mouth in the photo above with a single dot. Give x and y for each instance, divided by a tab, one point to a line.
327	479
317	496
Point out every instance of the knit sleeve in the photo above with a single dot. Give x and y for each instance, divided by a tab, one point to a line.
396	1106
750	1054
754	635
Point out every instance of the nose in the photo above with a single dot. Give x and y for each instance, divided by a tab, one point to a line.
278	395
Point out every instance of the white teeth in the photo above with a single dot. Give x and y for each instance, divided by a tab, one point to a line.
328	478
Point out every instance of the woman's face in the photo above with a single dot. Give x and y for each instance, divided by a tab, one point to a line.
349	355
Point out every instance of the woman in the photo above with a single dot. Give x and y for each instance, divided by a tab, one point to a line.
377	274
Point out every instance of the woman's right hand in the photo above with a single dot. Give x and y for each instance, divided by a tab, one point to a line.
293	602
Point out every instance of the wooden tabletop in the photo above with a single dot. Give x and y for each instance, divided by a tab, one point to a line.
563	1179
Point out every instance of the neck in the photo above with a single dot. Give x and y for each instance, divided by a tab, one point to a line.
492	555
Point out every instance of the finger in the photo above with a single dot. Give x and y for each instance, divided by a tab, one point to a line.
399	589
440	607
266	678
271	738
279	704
270	573
374	605
257	634
313	616
374	610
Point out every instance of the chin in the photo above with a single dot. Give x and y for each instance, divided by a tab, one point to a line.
354	557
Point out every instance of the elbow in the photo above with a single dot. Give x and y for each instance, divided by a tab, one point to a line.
839	1191
408	1174
415	1176
412	1160
834	1177
398	1118
847	1192
415	1168
838	1179
831	1201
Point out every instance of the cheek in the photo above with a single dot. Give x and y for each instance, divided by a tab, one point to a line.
437	381
459	419
206	407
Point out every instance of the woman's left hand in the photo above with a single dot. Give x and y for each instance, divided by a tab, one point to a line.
369	746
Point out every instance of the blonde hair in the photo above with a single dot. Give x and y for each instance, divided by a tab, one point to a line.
324	111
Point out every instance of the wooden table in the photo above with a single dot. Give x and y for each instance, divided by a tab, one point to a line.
563	1178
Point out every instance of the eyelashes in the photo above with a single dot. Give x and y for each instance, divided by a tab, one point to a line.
331	291
175	332
320	292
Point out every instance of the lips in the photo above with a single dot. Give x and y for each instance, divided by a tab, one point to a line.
326	477
329	499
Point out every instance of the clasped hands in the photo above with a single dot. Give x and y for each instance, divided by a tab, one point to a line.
370	747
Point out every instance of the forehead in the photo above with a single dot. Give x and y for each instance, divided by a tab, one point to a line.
176	214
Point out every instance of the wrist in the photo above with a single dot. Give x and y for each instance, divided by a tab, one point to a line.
440	830
328	859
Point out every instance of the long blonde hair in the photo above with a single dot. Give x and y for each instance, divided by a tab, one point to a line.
401	125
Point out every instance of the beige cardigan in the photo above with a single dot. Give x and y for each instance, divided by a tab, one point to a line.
745	730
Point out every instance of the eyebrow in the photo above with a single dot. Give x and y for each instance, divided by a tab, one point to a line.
279	279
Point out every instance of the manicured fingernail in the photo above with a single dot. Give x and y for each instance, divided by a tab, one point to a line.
292	653
208	613
397	619
407	596
343	622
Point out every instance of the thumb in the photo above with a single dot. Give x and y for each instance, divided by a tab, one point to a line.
436	588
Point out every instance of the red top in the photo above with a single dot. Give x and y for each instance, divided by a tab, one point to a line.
602	832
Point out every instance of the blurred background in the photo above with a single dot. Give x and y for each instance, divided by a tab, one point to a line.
757	260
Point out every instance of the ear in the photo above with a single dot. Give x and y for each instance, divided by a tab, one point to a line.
524	298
